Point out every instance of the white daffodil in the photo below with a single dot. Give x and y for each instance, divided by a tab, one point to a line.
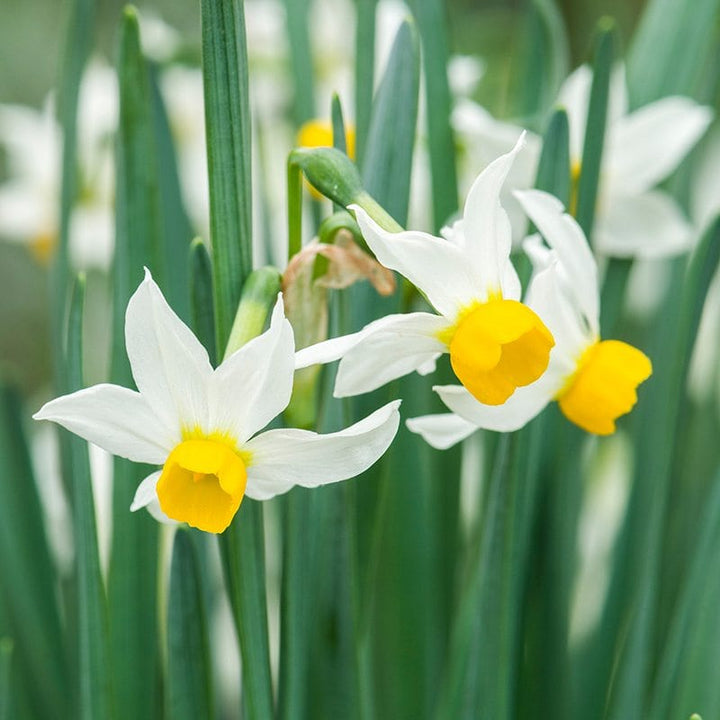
594	381
29	197
641	149
200	424
496	343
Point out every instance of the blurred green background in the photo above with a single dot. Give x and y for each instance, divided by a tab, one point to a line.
31	32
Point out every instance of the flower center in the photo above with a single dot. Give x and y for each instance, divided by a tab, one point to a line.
604	385
319	133
42	246
498	346
203	483
575	169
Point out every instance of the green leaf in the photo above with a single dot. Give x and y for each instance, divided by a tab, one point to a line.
407	596
629	619
188	666
387	160
177	233
679	673
227	124
364	71
589	181
6	652
29	578
671	47
78	43
553	173
132	581
242	545
301	65
201	297
298	591
93	632
430	16
546	58
486	648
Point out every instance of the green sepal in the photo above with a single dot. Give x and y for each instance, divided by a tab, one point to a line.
259	295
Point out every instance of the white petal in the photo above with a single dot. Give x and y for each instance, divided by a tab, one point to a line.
170	366
284	458
253	385
146	497
486	226
441	431
522	406
329	350
485	140
564	235
705	190
146	492
646	146
647	225
115	418
434	265
548	296
153	507
397	345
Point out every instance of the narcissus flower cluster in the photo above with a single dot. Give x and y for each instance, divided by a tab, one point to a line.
511	357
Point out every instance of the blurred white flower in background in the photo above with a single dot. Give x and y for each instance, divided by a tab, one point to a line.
29	197
642	148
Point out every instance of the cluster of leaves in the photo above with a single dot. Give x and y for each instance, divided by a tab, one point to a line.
387	609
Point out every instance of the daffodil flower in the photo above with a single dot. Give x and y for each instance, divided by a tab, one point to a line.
594	381
633	219
200	423
496	343
28	198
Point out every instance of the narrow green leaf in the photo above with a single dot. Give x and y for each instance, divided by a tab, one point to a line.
174	223
78	43
553	173
632	603
132	582
612	297
338	124
387	160
676	668
588	183
242	545
201	297
188	668
364	71
547	609
485	652
546	58
671	47
29	578
406	592
300	531
430	16
6	652
93	632
227	127
301	66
